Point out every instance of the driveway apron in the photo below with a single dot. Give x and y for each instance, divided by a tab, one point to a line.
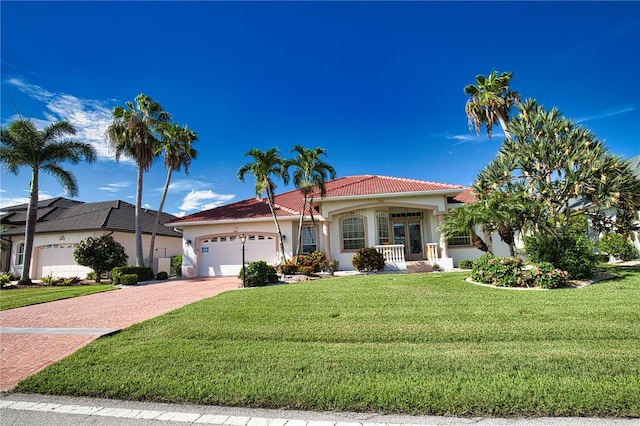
36	336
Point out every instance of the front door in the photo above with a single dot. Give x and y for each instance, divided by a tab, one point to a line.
409	234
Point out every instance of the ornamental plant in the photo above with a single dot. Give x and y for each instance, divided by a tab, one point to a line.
258	274
368	259
499	271
544	275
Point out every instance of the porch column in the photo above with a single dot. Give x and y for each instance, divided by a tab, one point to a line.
327	244
444	246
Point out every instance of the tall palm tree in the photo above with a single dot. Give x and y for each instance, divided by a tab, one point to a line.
176	144
310	174
24	145
489	101
266	165
132	134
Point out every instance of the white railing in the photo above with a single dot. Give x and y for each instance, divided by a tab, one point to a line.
393	253
432	252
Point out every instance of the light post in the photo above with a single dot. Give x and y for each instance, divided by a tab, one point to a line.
243	239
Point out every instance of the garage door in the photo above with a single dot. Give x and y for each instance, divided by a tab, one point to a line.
57	260
222	255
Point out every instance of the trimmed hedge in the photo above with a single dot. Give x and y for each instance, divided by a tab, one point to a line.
128	279
144	273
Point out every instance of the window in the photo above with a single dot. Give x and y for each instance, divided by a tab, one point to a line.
20	254
353	234
309	239
460	239
383	228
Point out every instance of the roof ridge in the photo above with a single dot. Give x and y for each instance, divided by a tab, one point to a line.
420	181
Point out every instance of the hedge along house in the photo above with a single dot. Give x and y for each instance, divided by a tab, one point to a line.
399	217
63	223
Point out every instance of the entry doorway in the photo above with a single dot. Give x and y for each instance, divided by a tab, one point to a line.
409	233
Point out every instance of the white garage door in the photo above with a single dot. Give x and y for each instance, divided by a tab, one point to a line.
222	256
57	260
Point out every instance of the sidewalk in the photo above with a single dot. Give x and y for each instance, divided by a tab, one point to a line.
35	336
47	410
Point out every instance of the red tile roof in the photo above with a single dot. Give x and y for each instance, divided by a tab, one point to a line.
290	203
466	196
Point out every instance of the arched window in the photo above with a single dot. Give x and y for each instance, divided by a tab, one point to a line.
20	254
352	227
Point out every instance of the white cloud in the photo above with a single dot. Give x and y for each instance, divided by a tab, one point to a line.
611	112
184	185
115	186
14	201
204	200
90	117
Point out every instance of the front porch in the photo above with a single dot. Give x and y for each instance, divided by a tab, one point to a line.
394	256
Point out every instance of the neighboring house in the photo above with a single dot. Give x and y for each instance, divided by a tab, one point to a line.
63	223
397	216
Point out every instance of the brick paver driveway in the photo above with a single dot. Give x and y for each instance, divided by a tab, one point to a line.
35	336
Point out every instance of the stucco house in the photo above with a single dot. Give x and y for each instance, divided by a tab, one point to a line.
397	216
63	223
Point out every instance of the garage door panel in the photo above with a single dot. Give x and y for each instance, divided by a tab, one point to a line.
222	256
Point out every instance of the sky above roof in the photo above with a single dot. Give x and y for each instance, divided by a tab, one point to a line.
379	85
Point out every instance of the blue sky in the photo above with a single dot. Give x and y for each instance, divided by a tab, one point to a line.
379	85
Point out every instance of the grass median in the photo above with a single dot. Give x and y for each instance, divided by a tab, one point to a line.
410	343
17	298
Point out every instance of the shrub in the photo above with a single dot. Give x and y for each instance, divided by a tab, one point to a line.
570	252
176	262
368	259
5	279
618	246
330	266
258	274
128	279
91	275
70	281
48	280
144	273
289	268
315	260
499	271
545	275
162	275
465	264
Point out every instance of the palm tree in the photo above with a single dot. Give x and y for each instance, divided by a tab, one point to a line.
132	134
489	101
266	165
24	145
178	152
464	219
310	174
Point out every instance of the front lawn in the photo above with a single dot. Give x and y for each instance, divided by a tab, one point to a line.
413	343
19	297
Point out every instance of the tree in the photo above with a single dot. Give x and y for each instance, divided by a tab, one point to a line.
489	101
266	165
41	150
101	254
464	220
310	174
554	162
176	144
131	134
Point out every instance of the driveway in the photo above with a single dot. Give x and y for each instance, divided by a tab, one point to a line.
36	336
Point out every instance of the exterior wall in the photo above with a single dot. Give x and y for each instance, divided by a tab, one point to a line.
193	234
47	244
498	247
429	206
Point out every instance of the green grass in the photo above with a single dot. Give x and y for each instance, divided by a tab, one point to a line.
17	298
421	344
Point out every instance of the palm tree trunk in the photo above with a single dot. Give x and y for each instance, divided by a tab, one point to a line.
30	228
304	206
138	220
275	219
157	222
503	124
